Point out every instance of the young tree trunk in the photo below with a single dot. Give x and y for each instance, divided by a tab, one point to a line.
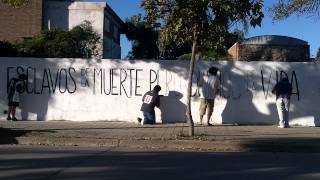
191	69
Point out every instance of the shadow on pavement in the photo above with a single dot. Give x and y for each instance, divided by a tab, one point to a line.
294	145
8	136
75	164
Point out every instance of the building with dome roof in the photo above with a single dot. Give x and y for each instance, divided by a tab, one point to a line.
271	48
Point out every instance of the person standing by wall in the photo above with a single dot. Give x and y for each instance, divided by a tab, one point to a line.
16	87
210	87
283	91
150	100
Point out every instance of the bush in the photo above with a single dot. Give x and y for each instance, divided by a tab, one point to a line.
54	43
7	49
79	42
185	57
206	57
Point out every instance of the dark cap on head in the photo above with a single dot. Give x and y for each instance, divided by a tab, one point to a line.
213	71
157	88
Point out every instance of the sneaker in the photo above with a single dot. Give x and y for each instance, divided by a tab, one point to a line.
14	119
209	124
8	118
281	127
139	120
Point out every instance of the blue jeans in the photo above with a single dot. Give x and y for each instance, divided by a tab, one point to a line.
149	117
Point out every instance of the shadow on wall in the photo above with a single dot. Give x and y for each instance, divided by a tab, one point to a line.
46	79
317	122
41	100
239	94
235	107
172	109
240	98
33	103
304	108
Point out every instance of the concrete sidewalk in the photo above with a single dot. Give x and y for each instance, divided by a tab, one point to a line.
161	136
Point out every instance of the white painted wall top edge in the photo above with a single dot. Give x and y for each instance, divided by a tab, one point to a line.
159	61
87	6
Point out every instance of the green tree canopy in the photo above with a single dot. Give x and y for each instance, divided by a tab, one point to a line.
208	20
147	45
15	3
220	53
203	23
143	37
145	41
285	8
80	42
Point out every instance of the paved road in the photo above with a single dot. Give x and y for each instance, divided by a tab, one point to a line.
76	163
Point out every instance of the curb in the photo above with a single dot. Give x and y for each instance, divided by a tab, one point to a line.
171	144
163	144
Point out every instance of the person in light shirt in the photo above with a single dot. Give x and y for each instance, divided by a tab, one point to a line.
210	87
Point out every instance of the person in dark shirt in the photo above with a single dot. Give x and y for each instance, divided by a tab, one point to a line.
15	88
150	100
283	91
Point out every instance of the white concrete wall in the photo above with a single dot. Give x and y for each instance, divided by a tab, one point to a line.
71	89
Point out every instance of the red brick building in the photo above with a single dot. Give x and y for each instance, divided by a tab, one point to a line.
271	48
19	23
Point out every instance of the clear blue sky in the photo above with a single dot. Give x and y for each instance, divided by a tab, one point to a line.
304	28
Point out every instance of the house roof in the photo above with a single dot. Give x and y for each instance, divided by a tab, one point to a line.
274	40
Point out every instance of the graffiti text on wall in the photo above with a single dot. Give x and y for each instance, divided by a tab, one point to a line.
235	86
131	82
116	82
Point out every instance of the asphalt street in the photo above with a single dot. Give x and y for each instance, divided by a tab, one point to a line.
48	162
